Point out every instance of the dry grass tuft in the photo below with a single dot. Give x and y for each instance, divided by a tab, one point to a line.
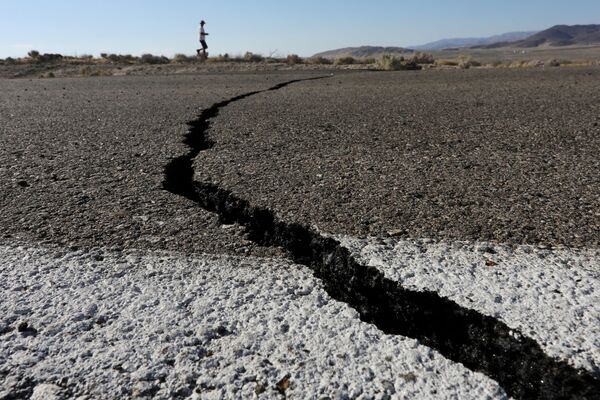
348	60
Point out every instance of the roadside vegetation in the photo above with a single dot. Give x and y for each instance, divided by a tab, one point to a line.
393	63
50	65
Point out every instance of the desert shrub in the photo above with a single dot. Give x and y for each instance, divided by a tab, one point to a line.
275	60
466	62
294	59
319	61
552	63
123	58
182	59
152	59
581	63
118	58
535	63
10	61
348	60
238	58
85	71
47	75
251	57
392	63
368	60
114	58
518	64
221	58
446	63
49	57
35	56
422	58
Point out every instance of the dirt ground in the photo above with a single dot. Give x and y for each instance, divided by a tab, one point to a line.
71	70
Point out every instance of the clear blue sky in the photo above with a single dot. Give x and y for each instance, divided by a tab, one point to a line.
264	26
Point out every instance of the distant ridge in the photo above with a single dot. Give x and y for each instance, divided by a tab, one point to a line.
559	35
363	51
459	43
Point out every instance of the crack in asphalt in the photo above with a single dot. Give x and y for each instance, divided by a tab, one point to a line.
481	343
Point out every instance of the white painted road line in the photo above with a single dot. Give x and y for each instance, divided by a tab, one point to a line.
552	296
112	325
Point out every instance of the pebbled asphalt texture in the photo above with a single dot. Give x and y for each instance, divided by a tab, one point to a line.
82	162
505	156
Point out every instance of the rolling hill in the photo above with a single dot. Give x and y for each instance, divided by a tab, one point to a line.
559	35
471	42
556	36
564	35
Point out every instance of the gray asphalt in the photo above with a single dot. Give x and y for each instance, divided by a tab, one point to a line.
497	155
505	156
82	162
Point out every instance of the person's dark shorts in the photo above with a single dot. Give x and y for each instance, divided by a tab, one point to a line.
204	45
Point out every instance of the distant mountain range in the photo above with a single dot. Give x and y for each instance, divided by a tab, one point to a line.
559	35
472	42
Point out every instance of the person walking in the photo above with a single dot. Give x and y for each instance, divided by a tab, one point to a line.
203	36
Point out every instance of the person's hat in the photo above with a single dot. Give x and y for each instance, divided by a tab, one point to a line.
202	22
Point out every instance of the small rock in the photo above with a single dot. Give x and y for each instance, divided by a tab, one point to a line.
5	328
214	333
26	330
486	249
409	377
23	184
396	232
283	384
490	263
144	389
260	388
90	310
47	392
389	387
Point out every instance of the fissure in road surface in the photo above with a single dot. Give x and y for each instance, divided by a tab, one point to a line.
480	342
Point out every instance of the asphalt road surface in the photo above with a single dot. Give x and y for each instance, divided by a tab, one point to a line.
83	160
497	155
470	197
